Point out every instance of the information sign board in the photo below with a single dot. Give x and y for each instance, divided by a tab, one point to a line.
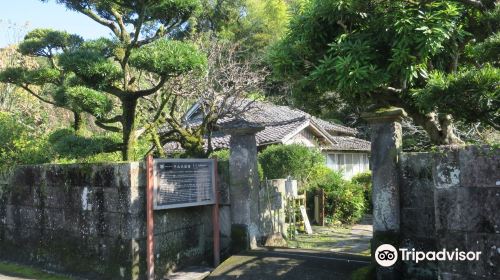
183	183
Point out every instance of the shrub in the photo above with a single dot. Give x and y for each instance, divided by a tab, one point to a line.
71	146
364	180
347	203
20	144
223	162
298	161
344	200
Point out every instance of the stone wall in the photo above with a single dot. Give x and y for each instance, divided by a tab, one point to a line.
417	212
90	220
450	199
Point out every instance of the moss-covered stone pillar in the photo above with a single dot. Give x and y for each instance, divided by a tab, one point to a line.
386	142
243	184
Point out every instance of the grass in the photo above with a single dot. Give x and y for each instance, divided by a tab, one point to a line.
22	271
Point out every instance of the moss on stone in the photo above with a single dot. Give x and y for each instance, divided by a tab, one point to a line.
384	113
17	270
239	238
364	273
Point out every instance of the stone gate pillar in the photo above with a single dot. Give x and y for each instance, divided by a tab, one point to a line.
386	141
243	184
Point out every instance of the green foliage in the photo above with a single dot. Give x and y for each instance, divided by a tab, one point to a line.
58	53
380	54
223	161
92	67
174	10
20	144
23	76
359	48
88	100
346	203
27	272
344	200
66	144
281	161
46	42
144	53
222	155
252	24
364	180
488	50
320	177
469	95
168	57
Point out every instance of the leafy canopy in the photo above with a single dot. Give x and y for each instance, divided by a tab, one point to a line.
106	76
390	52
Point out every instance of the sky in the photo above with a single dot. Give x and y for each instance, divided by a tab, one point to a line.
20	16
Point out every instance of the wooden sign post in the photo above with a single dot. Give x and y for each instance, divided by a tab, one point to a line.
215	220
149	218
177	183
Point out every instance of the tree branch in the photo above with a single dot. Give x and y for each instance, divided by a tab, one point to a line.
114	119
159	33
107	127
493	124
123	29
146	92
25	87
100	20
476	3
114	91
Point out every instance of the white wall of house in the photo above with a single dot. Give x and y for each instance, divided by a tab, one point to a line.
349	164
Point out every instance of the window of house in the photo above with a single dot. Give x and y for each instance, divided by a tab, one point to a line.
349	163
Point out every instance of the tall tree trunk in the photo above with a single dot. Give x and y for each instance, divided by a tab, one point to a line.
157	142
78	122
439	127
128	106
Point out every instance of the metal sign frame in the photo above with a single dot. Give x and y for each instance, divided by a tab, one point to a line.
156	188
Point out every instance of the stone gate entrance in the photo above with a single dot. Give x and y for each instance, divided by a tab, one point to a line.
445	199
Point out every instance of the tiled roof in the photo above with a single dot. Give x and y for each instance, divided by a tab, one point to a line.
279	122
270	135
349	143
332	127
267	113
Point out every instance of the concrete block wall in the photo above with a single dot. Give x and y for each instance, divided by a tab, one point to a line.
90	220
451	199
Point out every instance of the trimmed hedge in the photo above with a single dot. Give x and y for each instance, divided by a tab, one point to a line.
297	161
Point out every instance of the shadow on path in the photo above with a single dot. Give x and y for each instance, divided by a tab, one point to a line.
353	239
274	263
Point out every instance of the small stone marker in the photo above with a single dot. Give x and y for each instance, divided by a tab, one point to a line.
276	240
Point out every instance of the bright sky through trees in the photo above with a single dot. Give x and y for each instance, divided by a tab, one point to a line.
36	14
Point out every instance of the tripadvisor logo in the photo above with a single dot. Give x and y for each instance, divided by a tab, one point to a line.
386	255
